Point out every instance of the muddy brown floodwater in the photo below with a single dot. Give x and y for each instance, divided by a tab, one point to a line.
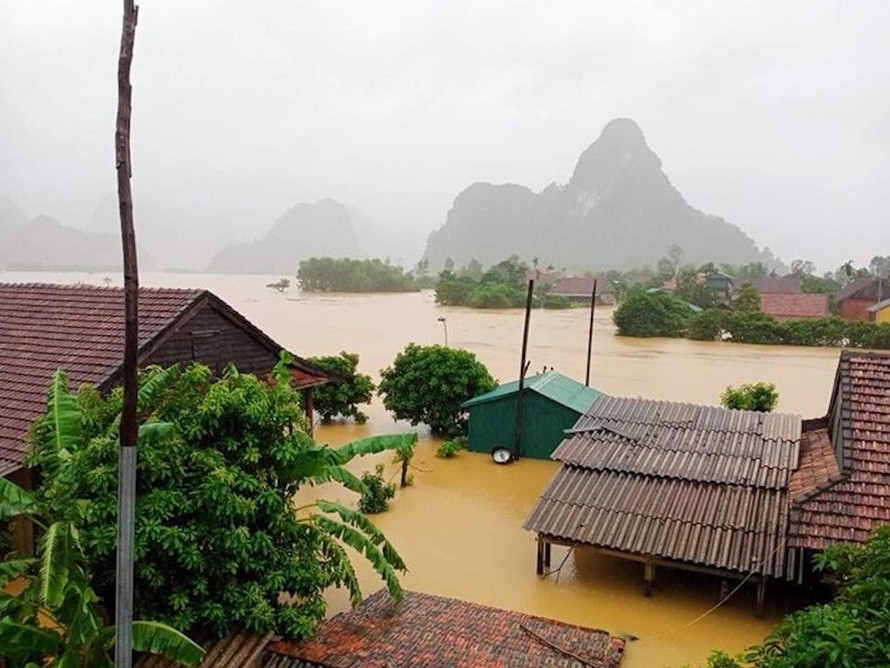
459	527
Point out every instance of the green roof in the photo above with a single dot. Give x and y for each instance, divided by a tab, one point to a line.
551	384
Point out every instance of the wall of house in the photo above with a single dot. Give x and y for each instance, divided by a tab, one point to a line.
855	309
214	340
543	424
883	316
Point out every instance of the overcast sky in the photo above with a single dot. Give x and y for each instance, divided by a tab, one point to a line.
773	115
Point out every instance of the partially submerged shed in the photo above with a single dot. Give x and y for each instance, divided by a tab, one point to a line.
679	485
551	403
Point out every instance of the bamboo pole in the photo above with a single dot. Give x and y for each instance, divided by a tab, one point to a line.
123	654
523	367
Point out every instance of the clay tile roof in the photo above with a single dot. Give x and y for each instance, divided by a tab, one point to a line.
803	305
581	286
426	631
79	328
846	506
865	285
682	482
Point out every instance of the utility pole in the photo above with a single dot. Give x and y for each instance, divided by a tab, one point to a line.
126	482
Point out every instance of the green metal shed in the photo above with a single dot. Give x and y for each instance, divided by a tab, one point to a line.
551	403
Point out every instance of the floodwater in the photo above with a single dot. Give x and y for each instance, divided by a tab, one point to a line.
459	527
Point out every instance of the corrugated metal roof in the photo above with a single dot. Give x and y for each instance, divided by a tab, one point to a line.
239	649
551	384
678	481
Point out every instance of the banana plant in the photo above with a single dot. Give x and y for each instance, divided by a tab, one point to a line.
54	618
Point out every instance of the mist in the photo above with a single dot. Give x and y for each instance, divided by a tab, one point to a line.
771	115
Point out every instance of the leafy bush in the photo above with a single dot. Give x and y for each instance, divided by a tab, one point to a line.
851	631
647	314
450	448
218	537
428	384
708	325
755	327
403	457
761	397
342	395
556	302
502	286
378	493
494	295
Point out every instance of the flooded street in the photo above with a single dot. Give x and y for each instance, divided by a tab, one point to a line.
459	527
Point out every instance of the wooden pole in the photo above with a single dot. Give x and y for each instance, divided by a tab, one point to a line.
523	367
590	334
123	653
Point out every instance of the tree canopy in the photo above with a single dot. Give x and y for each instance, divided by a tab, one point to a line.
328	274
647	314
342	395
428	384
761	397
218	537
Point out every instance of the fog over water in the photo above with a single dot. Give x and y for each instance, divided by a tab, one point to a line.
772	115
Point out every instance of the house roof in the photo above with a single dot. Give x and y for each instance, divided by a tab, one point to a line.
870	287
880	306
581	286
80	328
682	482
551	384
802	305
852	497
428	631
787	285
239	649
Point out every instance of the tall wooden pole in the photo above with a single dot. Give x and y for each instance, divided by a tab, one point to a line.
523	367
590	334
126	492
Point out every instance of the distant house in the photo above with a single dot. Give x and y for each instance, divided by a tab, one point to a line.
551	403
842	488
792	306
782	285
880	312
675	485
579	289
720	283
856	297
426	631
81	330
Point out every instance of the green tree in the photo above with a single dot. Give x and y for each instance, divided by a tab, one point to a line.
327	274
647	314
57	589
346	391
748	299
280	285
428	384
218	535
761	397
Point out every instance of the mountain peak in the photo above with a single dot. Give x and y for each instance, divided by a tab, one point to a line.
623	131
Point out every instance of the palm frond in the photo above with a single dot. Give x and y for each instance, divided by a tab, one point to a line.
333	551
374	444
155	431
14	500
14	568
155	386
56	561
157	638
361	522
339	474
360	543
27	639
63	416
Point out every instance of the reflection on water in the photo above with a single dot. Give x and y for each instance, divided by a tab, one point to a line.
459	527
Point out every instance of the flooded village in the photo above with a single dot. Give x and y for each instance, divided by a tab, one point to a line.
467	527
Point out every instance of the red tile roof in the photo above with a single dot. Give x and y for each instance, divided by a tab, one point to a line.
427	631
581	286
803	305
849	504
78	328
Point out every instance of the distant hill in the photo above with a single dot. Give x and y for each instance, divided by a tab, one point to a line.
618	211
323	229
45	244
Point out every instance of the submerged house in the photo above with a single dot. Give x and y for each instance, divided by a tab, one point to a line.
842	488
790	306
81	329
677	485
551	403
579	289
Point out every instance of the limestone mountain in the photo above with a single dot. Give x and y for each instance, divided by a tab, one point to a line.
45	244
619	210
325	228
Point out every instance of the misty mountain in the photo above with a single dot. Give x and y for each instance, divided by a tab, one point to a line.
45	244
323	229
618	211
